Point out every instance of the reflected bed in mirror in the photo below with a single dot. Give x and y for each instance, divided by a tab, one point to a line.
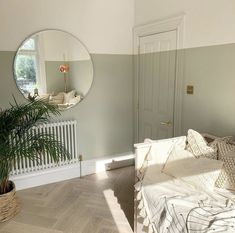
54	66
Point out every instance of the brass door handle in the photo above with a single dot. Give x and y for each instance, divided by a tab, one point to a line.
167	123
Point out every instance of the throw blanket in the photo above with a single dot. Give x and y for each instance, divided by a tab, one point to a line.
169	205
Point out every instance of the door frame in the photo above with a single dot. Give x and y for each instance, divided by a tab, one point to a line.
169	24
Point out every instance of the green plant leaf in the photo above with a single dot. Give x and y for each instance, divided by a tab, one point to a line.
17	141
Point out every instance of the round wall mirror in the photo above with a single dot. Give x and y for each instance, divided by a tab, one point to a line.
54	66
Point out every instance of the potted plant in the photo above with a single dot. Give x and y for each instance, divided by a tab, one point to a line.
17	142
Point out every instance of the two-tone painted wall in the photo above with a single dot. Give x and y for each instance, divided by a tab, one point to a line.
104	117
209	59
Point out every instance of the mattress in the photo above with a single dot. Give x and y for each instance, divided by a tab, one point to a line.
171	205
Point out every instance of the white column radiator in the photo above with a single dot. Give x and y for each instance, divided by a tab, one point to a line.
66	132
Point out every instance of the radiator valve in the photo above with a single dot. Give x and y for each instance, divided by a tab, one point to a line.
80	162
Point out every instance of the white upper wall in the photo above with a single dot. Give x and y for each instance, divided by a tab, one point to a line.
104	26
207	22
60	46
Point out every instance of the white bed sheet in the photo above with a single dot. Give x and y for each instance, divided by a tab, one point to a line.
175	206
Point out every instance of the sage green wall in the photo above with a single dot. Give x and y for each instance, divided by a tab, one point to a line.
104	117
212	106
80	73
211	70
7	83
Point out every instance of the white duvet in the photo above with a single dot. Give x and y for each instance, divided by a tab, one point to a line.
173	206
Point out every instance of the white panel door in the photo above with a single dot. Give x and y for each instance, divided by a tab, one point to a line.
157	71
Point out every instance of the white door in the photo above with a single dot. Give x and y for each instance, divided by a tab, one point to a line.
157	71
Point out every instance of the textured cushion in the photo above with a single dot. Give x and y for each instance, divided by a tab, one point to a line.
227	139
68	96
226	153
44	97
75	100
198	146
57	99
201	173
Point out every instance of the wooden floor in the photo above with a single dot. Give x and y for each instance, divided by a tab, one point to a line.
101	203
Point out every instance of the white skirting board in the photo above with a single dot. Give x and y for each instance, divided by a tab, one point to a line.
72	171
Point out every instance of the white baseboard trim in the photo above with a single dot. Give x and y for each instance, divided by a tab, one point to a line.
72	171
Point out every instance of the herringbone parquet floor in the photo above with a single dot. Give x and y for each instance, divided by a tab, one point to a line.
101	203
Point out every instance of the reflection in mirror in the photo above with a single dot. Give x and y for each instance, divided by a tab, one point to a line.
54	66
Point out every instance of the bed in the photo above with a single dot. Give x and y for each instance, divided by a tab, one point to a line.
165	204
